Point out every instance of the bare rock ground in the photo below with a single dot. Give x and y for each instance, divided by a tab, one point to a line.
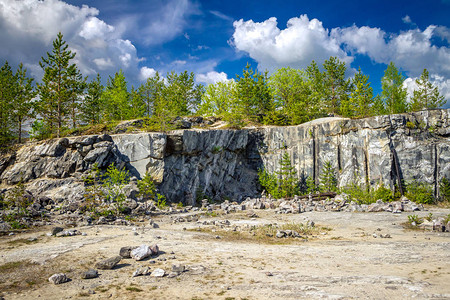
350	261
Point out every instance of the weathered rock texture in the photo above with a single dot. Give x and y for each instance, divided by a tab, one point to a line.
223	164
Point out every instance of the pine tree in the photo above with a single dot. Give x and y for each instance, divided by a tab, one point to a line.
291	93
58	85
7	92
22	104
91	107
393	92
328	181
217	99
427	95
361	98
253	96
184	95
150	92
336	87
137	105
287	179
115	97
76	87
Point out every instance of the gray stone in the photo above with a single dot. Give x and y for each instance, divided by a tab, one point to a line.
109	263
178	268
125	252
89	274
141	252
141	271
158	273
58	278
56	230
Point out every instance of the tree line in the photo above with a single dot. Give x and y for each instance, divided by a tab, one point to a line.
64	99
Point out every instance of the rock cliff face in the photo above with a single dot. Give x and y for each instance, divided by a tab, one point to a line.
223	164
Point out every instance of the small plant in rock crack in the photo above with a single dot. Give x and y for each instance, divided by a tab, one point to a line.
161	201
414	219
94	194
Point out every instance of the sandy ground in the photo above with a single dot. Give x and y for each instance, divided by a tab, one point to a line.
346	262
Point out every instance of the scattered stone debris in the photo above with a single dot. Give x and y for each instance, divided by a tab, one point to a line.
109	263
141	271
58	278
89	274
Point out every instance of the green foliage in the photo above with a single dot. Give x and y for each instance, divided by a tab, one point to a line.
287	182
384	194
94	194
113	184
182	94
282	183
361	98
269	182
293	103
414	219
444	189
22	107
336	87
146	187
427	95
410	125
115	98
328	181
7	91
218	99
253	97
216	149
420	192
161	201
91	106
394	94
60	85
17	199
311	186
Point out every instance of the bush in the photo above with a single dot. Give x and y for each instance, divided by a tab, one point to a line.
269	182
420	192
384	194
146	187
444	189
114	182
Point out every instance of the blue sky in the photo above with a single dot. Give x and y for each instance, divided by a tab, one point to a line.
215	39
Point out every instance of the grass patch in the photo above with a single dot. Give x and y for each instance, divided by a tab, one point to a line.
133	289
265	234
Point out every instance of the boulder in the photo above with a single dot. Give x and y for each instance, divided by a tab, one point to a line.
109	263
141	252
125	252
58	278
89	274
158	273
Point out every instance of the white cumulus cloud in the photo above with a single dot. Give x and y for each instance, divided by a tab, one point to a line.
146	72
28	28
212	77
301	42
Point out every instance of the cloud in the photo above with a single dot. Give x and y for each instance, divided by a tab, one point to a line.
158	21
221	15
301	42
304	40
410	50
407	20
211	77
27	35
146	73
